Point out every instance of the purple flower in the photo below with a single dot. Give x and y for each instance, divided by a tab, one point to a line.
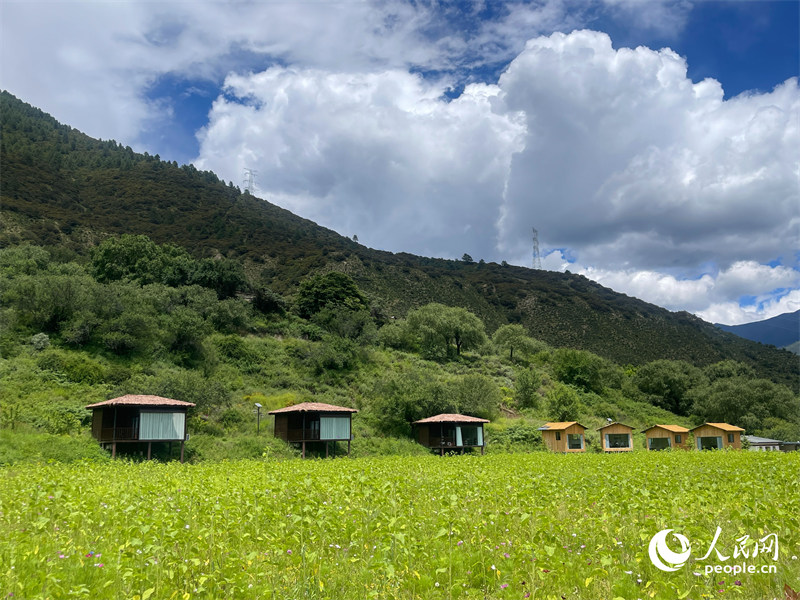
737	582
504	586
460	543
506	554
288	552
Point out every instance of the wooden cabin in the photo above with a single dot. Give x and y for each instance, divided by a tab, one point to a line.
716	436
616	437
448	432
136	419
663	437
564	437
314	422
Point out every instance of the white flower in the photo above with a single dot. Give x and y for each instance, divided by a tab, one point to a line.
629	572
437	584
494	568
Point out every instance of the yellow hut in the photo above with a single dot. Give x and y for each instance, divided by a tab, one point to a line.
716	436
663	437
616	437
564	436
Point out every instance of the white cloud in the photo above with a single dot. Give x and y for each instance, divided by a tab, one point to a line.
632	166
381	155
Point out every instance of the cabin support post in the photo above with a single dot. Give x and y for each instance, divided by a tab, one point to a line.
326	448
334	448
113	449
303	455
181	452
348	447
149	449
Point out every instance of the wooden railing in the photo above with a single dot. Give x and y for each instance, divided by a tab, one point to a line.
298	435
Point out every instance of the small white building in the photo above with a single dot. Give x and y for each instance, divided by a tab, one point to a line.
760	444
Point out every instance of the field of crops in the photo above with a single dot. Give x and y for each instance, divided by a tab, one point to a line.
497	526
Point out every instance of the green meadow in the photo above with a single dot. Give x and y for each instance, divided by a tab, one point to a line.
499	526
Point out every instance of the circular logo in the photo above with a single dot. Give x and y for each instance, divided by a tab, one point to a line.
660	552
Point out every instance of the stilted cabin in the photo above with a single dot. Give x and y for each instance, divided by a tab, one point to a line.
716	436
314	422
663	437
616	437
564	437
138	419
448	432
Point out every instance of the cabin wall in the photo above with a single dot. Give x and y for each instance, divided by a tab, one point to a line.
423	435
616	429
554	445
97	423
710	431
659	433
282	426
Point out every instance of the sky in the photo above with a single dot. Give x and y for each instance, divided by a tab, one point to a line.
653	144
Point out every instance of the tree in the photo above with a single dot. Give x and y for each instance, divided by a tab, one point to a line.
667	383
526	387
467	258
563	403
744	401
331	290
442	329
582	369
475	395
513	337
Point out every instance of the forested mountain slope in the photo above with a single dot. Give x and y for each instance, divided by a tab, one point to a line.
61	187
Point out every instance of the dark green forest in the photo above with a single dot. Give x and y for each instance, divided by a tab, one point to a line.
122	273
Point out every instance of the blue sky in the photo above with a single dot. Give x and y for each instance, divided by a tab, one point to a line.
653	143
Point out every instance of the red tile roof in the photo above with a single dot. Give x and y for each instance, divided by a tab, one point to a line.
312	407
140	400
451	418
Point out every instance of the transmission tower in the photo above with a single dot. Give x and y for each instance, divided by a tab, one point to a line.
537	260
250	181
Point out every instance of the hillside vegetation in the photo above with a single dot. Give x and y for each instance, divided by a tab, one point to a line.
138	317
65	191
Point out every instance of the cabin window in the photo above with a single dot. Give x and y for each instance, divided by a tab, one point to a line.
334	427
709	443
658	443
162	425
677	439
730	438
471	436
558	436
618	440
574	441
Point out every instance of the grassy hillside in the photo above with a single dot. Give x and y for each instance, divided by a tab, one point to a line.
60	187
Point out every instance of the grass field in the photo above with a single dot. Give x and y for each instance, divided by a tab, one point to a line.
498	526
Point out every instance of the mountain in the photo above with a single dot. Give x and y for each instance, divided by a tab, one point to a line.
60	187
780	331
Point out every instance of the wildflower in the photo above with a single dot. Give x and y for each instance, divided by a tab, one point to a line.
437	584
98	564
527	595
737	582
545	570
187	526
288	552
61	556
504	586
506	555
460	543
494	568
629	572
696	574
90	554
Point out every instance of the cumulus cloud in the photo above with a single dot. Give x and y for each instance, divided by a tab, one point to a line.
381	155
633	166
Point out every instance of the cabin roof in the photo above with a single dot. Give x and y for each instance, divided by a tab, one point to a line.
312	407
450	418
560	426
614	423
672	428
723	426
140	400
754	439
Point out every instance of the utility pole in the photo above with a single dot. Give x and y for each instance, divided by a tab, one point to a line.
250	180
537	260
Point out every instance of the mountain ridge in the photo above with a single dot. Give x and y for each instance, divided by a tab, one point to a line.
61	187
780	331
